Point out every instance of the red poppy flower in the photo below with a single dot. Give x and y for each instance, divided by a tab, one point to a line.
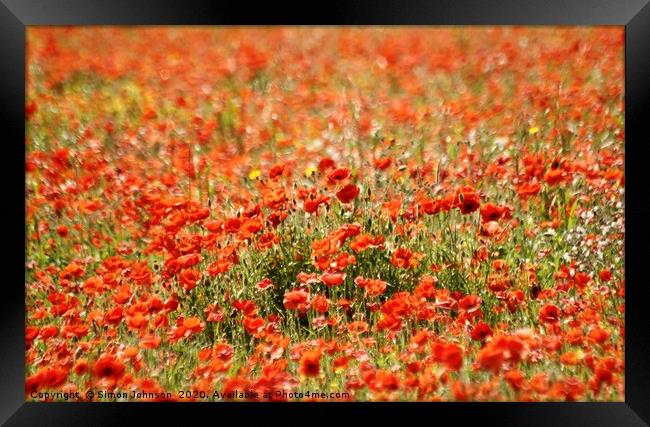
549	314
214	313
296	300
527	190
108	366
338	175
264	284
253	324
373	287
311	205
492	212
320	304
448	353
404	258
480	331
193	324
310	363
62	231
358	327
189	278
333	279
467	200
605	275
326	164
382	164
470	303
348	193
554	176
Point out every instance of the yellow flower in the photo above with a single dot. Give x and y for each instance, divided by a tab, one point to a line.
533	130
310	171
254	174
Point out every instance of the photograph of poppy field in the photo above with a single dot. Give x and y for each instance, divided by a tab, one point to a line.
325	214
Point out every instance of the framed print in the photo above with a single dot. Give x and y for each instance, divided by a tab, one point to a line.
433	208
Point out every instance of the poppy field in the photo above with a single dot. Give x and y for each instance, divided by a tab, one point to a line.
330	214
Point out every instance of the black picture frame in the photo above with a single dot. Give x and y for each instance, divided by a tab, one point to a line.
16	15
